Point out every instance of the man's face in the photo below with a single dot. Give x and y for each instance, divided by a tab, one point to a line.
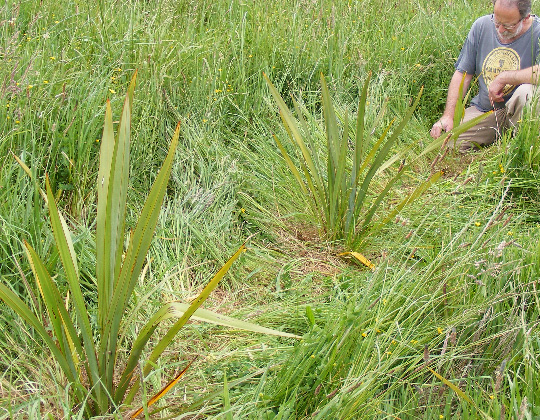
507	21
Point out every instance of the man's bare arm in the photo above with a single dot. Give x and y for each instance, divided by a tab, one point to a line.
513	78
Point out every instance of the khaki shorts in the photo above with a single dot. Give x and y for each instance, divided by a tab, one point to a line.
490	129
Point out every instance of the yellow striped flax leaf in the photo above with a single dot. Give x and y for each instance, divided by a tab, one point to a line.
360	258
163	390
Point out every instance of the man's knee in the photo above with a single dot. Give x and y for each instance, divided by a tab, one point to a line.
521	96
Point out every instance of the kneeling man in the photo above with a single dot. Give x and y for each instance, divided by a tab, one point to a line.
502	50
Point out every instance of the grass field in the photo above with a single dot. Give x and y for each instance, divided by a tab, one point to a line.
444	325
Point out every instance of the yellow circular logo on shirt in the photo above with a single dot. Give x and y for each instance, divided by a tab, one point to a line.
499	60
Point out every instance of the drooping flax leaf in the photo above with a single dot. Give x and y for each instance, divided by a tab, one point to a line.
165	341
178	309
453	134
171	333
360	258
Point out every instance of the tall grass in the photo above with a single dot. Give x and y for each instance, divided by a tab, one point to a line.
203	62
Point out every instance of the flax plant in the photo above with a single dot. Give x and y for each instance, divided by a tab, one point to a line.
339	191
88	354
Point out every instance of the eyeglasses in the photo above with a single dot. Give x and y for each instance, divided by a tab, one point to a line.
506	27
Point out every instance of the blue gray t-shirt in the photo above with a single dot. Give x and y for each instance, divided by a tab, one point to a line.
484	55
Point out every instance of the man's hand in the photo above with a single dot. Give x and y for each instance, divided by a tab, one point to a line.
445	123
496	89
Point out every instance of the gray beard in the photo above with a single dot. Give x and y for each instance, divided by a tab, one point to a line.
508	36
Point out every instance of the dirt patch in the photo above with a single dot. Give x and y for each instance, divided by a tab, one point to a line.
454	164
303	241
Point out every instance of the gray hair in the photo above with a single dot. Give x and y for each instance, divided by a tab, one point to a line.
524	6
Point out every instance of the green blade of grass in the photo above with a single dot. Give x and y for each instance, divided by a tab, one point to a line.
360	139
226	399
287	116
21	309
453	387
291	166
337	153
57	313
381	156
412	197
64	244
103	257
380	197
27	170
